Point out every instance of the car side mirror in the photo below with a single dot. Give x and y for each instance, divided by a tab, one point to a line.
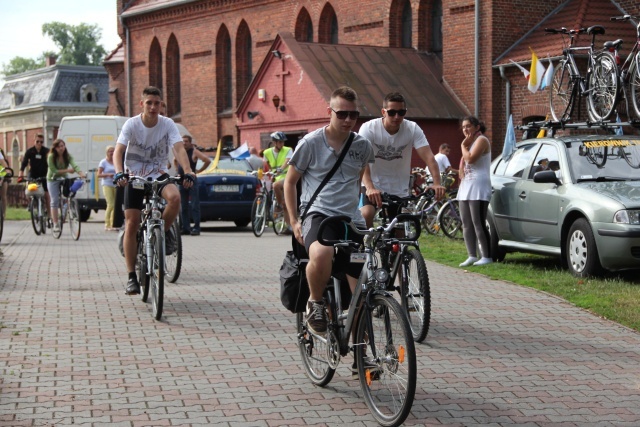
546	177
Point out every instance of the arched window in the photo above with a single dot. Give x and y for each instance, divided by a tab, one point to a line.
155	64
430	26
173	77
244	65
328	27
400	24
304	27
224	88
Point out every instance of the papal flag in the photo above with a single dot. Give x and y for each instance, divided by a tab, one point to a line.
535	73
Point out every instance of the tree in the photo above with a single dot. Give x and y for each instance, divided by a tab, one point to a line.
78	45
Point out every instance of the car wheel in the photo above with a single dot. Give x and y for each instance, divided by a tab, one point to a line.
242	222
84	214
497	253
581	250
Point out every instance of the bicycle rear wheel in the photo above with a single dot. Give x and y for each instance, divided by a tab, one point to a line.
314	354
35	221
449	220
634	85
416	293
156	275
560	92
603	86
173	263
430	216
141	267
258	218
74	219
388	379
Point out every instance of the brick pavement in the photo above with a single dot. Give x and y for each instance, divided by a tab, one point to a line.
75	350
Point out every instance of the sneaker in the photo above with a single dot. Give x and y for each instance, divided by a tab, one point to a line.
133	287
374	370
185	232
170	241
195	232
316	317
483	261
56	228
469	261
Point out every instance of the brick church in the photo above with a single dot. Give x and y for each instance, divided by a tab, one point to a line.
237	70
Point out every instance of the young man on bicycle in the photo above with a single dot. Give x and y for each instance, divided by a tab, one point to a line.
277	157
143	148
314	157
393	138
36	158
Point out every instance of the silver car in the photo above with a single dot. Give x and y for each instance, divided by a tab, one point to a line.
576	197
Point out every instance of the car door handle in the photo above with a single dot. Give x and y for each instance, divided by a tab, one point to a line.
523	195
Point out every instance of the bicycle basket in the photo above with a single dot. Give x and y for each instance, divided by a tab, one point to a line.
34	190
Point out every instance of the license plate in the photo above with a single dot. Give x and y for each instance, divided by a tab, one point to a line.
358	257
226	188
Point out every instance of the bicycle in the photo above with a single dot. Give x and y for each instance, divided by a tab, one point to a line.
449	219
69	208
265	206
402	258
40	220
151	253
4	173
378	325
173	261
599	85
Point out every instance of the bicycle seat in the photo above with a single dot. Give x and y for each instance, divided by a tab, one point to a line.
613	45
596	30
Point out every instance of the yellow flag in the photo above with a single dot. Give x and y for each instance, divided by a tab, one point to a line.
96	186
542	133
214	164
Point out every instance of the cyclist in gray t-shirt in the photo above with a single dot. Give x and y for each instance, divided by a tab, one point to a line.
313	158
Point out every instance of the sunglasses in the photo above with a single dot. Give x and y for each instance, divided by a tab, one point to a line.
392	113
353	115
39	141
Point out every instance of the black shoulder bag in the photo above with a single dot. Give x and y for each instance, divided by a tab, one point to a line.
294	289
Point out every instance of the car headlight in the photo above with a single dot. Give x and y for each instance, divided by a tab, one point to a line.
629	216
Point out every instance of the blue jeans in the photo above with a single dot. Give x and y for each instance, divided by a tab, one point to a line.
190	210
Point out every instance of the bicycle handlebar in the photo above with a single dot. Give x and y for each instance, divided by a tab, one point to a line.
386	197
149	181
564	30
380	230
624	17
6	173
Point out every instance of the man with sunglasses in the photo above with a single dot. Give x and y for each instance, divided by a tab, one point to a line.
314	157
393	139
36	158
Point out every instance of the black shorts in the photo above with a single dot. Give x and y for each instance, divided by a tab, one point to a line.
134	198
335	231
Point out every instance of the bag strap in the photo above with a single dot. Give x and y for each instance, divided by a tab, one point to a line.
327	177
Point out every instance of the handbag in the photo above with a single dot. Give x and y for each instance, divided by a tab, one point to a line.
294	288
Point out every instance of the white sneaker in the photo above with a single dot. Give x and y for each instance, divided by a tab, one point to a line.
483	261
469	261
56	228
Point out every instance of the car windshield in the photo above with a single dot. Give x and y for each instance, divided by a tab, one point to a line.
605	158
227	164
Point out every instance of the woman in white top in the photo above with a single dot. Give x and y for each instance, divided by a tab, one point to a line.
106	171
474	192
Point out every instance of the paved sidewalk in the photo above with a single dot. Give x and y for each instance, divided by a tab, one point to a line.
74	350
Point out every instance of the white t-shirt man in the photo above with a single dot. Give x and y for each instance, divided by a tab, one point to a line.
391	171
443	162
148	149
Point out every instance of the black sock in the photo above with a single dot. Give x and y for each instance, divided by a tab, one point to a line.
132	275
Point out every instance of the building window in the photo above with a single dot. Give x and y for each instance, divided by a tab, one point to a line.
400	24
155	64
244	64
173	77
88	93
224	87
406	25
436	28
304	27
328	27
430	26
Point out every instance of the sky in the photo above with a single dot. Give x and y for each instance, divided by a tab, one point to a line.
21	28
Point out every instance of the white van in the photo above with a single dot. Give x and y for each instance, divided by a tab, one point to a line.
87	138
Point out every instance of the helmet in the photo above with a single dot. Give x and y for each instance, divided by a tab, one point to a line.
279	136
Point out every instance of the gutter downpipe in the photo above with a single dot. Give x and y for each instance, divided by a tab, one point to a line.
508	90
127	65
477	59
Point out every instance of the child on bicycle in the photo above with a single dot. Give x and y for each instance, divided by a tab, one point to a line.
60	164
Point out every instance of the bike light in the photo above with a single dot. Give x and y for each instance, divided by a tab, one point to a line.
156	214
395	247
381	275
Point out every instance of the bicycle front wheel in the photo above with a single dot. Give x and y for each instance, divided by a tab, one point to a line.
35	221
449	220
173	262
74	219
430	216
388	375
603	86
258	218
634	85
277	212
141	267
314	354
156	275
416	293
57	233
560	93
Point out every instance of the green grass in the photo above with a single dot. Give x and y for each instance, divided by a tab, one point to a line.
614	296
17	214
